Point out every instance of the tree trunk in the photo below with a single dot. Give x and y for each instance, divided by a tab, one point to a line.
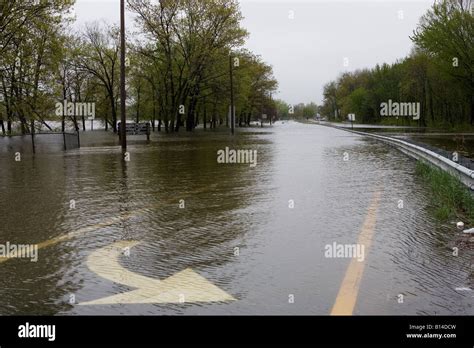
472	110
154	116
204	117
190	117
178	123
114	120
138	104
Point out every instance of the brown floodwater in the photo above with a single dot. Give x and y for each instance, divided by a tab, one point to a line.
230	223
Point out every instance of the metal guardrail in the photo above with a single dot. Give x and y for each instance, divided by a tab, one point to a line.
462	160
465	175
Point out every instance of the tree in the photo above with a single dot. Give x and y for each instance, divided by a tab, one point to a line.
99	57
446	33
31	37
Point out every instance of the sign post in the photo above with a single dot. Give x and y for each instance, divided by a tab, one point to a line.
352	118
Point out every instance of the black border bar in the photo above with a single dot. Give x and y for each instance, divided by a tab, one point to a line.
223	330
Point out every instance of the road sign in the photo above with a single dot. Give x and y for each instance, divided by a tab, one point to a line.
352	117
186	286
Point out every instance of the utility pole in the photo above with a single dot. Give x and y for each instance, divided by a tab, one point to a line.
123	128
232	113
271	109
33	135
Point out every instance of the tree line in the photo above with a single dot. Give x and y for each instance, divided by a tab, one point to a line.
438	74
300	111
178	63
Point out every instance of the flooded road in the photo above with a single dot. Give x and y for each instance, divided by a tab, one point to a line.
235	238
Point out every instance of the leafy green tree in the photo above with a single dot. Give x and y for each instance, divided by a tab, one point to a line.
446	33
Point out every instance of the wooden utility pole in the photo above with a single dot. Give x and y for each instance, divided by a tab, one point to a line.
33	135
271	107
232	113
123	128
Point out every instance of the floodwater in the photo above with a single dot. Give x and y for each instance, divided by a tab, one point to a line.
463	144
259	233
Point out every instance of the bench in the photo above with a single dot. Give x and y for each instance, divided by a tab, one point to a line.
135	129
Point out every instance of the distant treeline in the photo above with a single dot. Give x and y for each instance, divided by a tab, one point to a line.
287	111
438	74
178	65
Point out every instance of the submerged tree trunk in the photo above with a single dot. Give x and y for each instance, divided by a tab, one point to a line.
154	116
178	123
114	120
76	125
190	118
472	110
204	117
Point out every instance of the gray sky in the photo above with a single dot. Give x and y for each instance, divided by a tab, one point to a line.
307	41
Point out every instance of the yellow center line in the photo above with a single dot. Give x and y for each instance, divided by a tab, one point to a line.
347	296
105	223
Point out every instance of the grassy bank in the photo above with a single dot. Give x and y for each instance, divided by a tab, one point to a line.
451	198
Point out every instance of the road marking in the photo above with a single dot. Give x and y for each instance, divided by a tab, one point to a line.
107	222
464	288
185	286
104	223
347	296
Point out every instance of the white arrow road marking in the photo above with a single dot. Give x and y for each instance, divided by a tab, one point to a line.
464	288
187	284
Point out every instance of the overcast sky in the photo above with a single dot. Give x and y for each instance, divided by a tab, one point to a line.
308	42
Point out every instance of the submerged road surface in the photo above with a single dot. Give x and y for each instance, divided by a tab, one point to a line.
326	222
